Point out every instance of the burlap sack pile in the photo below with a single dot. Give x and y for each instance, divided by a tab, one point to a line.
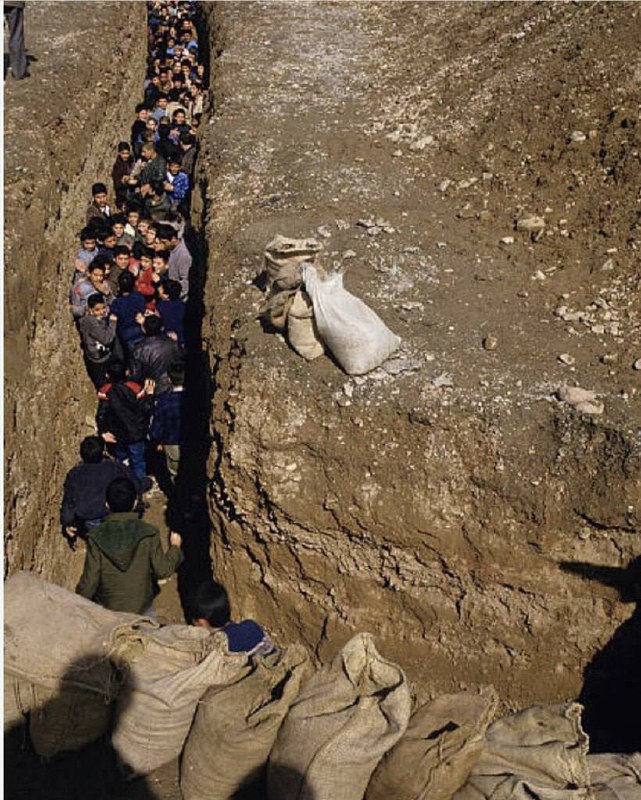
167	670
346	717
235	726
437	752
57	663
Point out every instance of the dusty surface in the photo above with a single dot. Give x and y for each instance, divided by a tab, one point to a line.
434	501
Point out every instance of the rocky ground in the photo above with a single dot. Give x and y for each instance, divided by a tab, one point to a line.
474	170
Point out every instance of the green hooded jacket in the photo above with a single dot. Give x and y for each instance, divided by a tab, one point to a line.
123	555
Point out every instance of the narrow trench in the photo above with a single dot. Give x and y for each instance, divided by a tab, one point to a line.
93	771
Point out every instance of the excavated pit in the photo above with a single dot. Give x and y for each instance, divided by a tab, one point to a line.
483	531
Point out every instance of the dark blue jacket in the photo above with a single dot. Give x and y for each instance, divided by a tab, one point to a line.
126	308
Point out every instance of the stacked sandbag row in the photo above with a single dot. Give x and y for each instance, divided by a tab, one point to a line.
272	725
323	314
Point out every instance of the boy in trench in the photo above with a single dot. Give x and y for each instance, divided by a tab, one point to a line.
124	556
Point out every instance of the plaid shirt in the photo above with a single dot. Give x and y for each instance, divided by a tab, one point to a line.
166	423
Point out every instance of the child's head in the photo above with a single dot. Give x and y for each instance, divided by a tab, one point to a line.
96	273
171	290
99	194
210	606
152	326
176	373
121	495
110	240
146	258
121	256
96	306
142	112
126	282
88	239
124	150
118	222
91	449
157	188
160	261
173	165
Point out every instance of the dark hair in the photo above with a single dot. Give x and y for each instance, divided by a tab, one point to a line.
210	602
142	107
152	326
121	495
149	252
165	232
87	233
157	187
98	226
116	219
95	299
173	289
186	137
91	449
124	146
161	254
178	111
136	250
175	159
133	205
126	282
101	261
116	371
120	249
98	188
176	372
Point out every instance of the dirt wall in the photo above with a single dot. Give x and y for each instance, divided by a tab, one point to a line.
436	502
62	126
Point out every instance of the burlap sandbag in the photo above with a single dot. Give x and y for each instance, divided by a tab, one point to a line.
283	252
301	327
166	672
537	754
57	662
615	776
236	726
345	718
275	309
435	755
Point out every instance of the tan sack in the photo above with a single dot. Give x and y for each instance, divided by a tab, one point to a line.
615	776
275	309
57	648
166	672
345	718
236	726
537	754
284	252
301	327
435	755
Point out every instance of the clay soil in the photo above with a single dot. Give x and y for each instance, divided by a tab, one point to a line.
448	502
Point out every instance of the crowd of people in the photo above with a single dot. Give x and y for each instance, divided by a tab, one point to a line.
129	299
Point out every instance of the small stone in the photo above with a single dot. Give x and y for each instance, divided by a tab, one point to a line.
349	254
578	136
507	240
444	184
348	390
566	358
530	224
324	231
397	153
575	395
341	224
590	408
444	379
490	342
637	364
538	276
421	144
608	265
612	358
598	329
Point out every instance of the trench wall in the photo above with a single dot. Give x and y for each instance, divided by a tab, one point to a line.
440	527
61	129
